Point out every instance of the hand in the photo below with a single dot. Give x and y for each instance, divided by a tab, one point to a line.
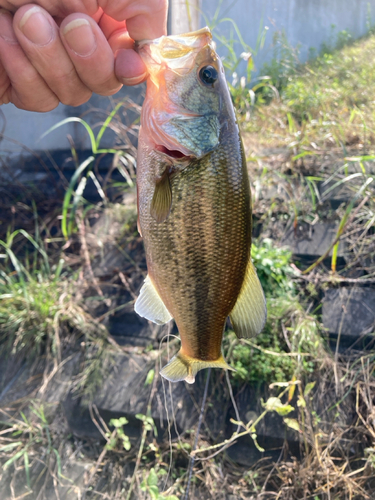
46	60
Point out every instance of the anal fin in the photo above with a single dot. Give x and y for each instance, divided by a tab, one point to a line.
149	305
249	314
162	200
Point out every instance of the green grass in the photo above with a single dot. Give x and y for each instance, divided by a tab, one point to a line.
328	101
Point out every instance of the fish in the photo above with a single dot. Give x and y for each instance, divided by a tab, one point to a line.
194	204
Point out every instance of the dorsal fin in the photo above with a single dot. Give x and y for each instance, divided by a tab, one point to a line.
249	314
149	305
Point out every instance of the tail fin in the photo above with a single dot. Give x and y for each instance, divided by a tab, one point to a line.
182	367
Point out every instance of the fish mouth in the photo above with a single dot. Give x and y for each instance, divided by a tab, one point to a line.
172	153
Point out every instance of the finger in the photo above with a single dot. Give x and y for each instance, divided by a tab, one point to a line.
39	37
58	8
90	53
4	86
145	19
28	89
129	67
116	33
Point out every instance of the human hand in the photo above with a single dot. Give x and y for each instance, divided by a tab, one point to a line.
45	60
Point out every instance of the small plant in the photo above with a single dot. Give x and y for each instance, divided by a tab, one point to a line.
30	308
73	199
284	62
120	436
150	485
290	343
30	437
273	268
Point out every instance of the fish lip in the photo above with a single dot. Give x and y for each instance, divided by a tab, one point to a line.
174	154
203	31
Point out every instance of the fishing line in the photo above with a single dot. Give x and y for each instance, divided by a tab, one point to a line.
233	400
235	407
170	391
192	458
166	336
166	406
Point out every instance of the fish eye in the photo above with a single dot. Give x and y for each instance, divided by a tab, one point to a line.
208	75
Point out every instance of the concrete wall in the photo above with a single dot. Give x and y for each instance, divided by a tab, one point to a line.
305	22
22	129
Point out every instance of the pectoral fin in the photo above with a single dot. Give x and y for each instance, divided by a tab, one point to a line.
249	314
182	367
162	200
150	306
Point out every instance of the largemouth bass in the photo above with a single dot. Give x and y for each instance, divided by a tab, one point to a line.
194	204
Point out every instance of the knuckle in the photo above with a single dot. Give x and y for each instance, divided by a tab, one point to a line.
41	106
74	100
108	92
107	87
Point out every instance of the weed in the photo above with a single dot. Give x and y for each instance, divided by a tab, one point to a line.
150	485
273	267
118	424
30	439
284	62
73	198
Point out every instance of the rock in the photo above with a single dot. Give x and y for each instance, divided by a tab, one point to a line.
349	311
71	486
335	195
312	241
125	393
244	452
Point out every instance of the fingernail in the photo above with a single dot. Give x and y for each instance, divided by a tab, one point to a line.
129	67
134	80
80	37
6	28
36	27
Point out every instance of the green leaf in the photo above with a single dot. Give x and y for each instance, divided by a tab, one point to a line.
27	469
150	377
292	423
79	120
272	404
284	410
301	403
126	443
14	458
152	479
275	404
10	446
154	491
58	460
118	422
309	387
69	194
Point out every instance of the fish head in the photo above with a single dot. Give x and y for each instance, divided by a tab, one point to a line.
182	112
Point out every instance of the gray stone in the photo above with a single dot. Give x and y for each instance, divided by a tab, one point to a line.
71	485
125	393
335	194
349	311
312	241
